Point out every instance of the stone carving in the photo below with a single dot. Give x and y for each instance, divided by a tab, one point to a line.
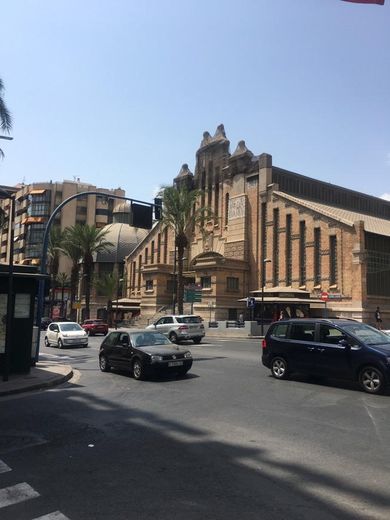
237	208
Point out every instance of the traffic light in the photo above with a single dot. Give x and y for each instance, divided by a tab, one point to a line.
141	215
158	208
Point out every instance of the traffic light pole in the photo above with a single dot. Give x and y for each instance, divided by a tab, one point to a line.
41	287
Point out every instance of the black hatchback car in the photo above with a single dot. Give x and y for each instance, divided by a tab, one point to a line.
339	349
143	353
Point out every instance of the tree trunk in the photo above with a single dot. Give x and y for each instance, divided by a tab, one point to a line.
74	276
180	281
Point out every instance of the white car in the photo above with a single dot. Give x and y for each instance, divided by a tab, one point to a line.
179	327
63	334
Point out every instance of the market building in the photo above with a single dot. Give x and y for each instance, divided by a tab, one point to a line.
278	237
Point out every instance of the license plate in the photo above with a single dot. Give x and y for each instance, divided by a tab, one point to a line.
175	363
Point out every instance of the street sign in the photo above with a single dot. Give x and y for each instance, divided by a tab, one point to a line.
324	296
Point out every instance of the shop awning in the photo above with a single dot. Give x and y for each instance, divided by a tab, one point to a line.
33	220
37	192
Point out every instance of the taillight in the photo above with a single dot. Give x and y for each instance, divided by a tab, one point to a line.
263	343
183	327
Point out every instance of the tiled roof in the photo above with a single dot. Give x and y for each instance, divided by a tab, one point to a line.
379	226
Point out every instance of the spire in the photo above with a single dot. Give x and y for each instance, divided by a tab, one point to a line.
184	172
242	150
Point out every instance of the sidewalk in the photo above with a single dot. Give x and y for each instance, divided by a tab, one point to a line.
44	375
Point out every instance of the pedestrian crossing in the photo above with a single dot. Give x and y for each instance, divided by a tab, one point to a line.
21	492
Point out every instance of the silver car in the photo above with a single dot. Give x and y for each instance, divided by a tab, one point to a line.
180	327
63	334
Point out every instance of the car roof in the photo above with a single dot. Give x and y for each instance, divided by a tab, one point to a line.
63	323
137	331
335	321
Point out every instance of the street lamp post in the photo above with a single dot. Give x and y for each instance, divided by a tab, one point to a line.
263	279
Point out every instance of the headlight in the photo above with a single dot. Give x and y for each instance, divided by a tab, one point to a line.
154	359
188	355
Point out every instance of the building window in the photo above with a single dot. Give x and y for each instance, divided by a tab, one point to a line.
101	211
149	285
216	194
232	284
317	256
226	208
288	250
146	255
302	252
152	253
158	248
332	260
205	282
139	272
39	210
275	260
165	245
133	273
81	210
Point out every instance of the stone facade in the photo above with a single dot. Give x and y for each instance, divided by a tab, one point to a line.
314	236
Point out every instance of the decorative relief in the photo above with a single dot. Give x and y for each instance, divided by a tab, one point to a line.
237	208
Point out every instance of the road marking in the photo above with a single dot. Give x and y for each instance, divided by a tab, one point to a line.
56	515
15	494
4	467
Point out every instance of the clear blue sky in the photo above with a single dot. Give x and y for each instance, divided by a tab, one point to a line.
120	92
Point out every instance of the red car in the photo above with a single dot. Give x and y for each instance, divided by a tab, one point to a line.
93	327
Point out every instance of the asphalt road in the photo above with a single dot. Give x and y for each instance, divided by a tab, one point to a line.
226	442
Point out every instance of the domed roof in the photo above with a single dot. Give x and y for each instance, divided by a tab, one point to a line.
124	240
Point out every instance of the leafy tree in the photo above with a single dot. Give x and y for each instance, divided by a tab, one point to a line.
88	240
107	286
5	116
181	213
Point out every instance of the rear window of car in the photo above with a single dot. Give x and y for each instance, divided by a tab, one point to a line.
279	330
189	319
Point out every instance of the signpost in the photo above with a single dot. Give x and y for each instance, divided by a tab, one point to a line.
193	294
325	298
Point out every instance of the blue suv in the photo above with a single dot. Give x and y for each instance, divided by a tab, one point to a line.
335	348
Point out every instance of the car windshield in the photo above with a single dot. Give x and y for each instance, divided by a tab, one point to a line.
369	335
70	327
189	319
146	339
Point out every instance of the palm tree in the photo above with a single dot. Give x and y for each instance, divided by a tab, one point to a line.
73	252
90	240
5	116
181	214
53	253
107	286
63	280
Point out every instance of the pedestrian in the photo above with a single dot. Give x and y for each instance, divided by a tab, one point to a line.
241	319
378	319
282	315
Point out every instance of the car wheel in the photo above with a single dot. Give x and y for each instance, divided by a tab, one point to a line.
60	344
173	337
197	340
104	364
279	368
47	344
138	370
371	380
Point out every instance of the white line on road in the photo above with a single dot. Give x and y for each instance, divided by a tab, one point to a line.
56	515
4	467
15	494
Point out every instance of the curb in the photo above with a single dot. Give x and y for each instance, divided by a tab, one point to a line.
48	382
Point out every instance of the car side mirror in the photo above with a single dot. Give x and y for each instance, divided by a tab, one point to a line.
344	343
